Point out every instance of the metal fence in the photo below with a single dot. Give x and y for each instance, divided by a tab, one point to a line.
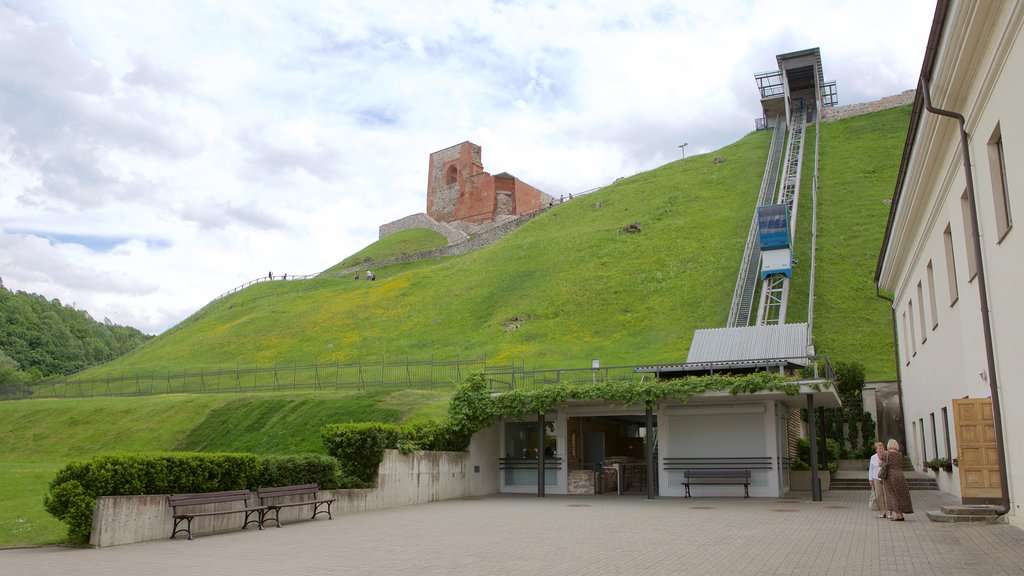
309	377
422	374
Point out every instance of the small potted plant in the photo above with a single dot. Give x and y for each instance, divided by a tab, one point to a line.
939	463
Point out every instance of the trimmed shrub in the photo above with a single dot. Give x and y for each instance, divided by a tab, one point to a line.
359	447
74	490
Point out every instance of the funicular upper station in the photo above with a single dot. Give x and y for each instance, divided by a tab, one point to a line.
591	448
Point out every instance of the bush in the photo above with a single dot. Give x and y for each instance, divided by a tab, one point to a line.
849	379
74	490
359	447
804	456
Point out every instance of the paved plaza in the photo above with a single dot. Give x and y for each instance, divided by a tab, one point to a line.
575	535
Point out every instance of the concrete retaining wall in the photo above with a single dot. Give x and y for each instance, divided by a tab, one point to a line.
421	220
403	479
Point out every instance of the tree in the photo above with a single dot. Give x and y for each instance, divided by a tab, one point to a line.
849	379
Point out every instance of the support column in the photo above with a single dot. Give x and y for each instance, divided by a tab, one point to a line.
540	454
813	433
649	445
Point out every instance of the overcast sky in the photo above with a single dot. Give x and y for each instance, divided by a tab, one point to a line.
155	154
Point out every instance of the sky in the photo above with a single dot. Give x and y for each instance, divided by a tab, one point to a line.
156	154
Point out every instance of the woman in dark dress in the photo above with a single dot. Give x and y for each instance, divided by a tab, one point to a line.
897	493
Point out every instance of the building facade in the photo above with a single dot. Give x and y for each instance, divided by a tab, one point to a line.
952	260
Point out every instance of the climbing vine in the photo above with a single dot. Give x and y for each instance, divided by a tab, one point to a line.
473	404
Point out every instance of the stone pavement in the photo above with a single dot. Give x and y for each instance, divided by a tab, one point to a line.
575	535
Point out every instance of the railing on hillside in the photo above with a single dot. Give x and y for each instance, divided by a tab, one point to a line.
309	377
425	374
281	278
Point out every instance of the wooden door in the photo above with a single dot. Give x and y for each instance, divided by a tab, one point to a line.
976	450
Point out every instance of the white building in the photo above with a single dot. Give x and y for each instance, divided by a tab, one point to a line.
952	260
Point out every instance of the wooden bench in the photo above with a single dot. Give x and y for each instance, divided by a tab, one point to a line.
267	495
176	501
710	476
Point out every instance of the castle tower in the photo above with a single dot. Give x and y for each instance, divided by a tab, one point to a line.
448	179
458	189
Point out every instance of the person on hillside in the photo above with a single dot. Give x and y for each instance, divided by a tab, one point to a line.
897	493
284	276
270	275
876	483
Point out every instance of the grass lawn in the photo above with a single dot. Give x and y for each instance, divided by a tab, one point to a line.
41	436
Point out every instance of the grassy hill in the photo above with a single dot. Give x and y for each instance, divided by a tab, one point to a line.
41	436
567	287
571	285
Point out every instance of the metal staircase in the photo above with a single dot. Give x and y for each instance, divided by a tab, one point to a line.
746	282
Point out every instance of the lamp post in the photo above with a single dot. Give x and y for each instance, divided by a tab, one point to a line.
683	148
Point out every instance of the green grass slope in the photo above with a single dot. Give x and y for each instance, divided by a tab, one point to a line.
397	244
860	159
567	287
41	436
572	285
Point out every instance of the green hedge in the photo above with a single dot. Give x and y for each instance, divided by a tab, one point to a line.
74	490
359	447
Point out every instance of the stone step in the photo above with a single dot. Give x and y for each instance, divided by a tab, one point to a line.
967	513
970	510
913	484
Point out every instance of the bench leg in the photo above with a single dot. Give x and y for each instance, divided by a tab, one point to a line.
175	530
687	486
317	510
258	521
275	511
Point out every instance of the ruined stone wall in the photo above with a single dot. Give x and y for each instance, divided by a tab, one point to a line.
839	112
476	242
477	203
421	220
441	197
444	197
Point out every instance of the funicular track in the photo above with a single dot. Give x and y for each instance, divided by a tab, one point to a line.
746	282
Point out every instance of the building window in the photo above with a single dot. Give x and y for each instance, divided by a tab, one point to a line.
947	238
913	335
924	443
1000	188
969	237
920	313
520	461
906	353
451	176
931	296
935	437
945	429
913	438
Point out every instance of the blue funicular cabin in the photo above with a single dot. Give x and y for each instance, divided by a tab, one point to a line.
774	239
773	226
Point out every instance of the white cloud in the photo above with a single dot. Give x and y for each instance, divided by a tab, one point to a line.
155	155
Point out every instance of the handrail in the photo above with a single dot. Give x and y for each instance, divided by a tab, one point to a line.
767	186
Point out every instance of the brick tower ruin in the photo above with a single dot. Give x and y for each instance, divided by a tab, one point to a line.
458	189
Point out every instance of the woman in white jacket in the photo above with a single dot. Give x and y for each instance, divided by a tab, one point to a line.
876	483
